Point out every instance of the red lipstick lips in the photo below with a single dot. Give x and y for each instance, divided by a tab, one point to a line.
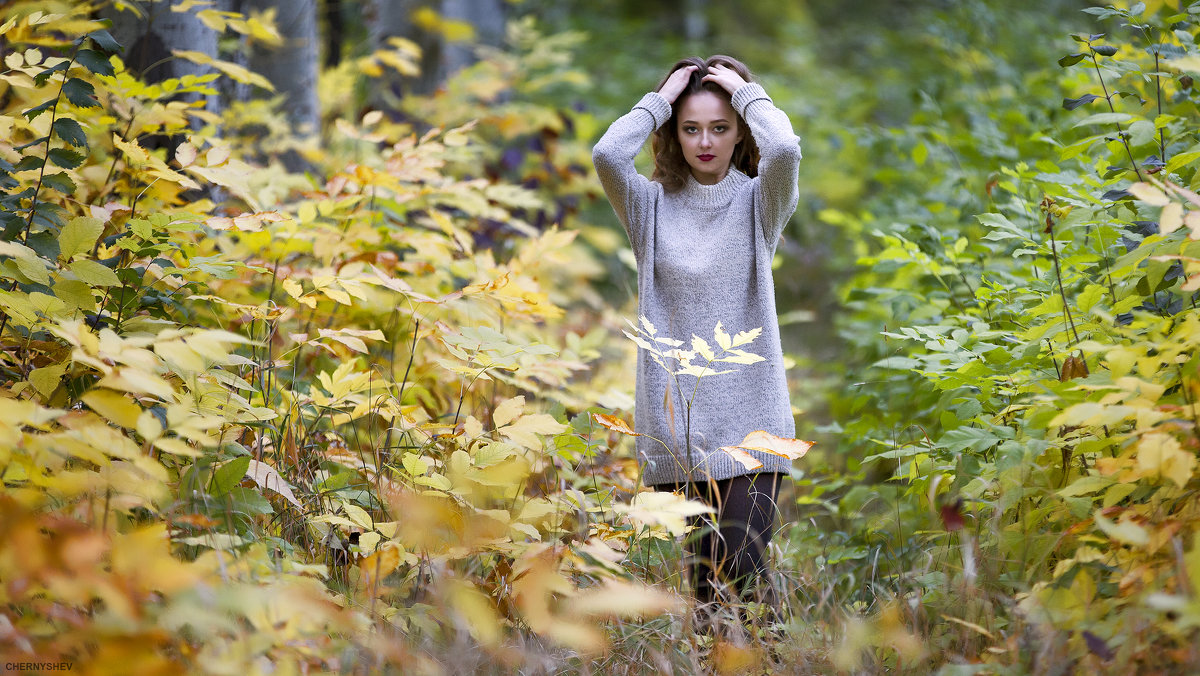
706	158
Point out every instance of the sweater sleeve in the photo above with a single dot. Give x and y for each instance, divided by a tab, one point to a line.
776	193
632	195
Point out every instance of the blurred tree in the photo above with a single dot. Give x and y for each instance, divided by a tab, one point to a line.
443	29
292	66
152	30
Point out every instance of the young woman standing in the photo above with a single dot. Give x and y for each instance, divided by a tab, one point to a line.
704	232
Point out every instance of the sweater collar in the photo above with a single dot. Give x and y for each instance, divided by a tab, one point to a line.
716	195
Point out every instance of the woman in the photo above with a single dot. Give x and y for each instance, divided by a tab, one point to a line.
704	232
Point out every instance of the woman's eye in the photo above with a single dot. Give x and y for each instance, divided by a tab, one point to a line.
689	130
719	129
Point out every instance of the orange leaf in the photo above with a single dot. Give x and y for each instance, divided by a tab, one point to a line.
766	442
614	423
380	564
748	461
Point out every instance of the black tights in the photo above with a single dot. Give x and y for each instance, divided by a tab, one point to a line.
735	553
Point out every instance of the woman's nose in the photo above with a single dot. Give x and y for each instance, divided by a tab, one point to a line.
705	140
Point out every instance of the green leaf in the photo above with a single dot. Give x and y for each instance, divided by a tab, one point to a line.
33	112
1104	118
40	78
104	40
1141	132
229	475
46	379
78	236
94	273
60	182
29	163
80	93
94	61
70	131
65	158
75	294
1071	59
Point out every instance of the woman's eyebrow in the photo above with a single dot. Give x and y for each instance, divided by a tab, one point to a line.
720	119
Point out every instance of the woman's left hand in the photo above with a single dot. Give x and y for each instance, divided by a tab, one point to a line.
724	76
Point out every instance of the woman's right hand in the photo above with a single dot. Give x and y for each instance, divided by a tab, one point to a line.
676	83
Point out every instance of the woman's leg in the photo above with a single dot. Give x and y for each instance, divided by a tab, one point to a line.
734	553
746	524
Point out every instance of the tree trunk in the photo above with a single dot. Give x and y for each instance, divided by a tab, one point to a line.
439	59
292	66
149	43
334	27
487	16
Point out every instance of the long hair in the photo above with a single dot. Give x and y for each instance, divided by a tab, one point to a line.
670	167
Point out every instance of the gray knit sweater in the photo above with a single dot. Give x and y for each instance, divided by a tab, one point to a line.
704	255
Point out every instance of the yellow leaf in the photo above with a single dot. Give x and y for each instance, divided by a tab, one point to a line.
78	236
380	564
1125	531
508	410
700	345
744	337
114	406
622	599
482	619
1160	455
1149	194
748	461
94	273
615	424
149	426
1172	218
293	288
233	70
722	338
776	445
526	430
46	379
268	477
176	446
661	508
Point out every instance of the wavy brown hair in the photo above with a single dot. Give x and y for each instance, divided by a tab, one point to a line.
670	167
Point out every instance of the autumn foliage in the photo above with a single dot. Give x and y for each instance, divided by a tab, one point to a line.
373	417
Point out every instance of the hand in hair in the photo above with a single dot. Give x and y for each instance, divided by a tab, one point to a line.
725	76
676	83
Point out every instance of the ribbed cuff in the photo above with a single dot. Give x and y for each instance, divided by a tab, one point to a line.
751	91
655	104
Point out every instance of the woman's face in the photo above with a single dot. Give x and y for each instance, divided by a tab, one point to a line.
708	132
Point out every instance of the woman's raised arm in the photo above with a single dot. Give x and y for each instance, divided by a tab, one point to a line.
632	195
778	150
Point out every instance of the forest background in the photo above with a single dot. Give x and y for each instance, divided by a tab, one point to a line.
312	346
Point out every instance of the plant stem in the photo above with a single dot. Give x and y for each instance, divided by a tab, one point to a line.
1111	108
1058	275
